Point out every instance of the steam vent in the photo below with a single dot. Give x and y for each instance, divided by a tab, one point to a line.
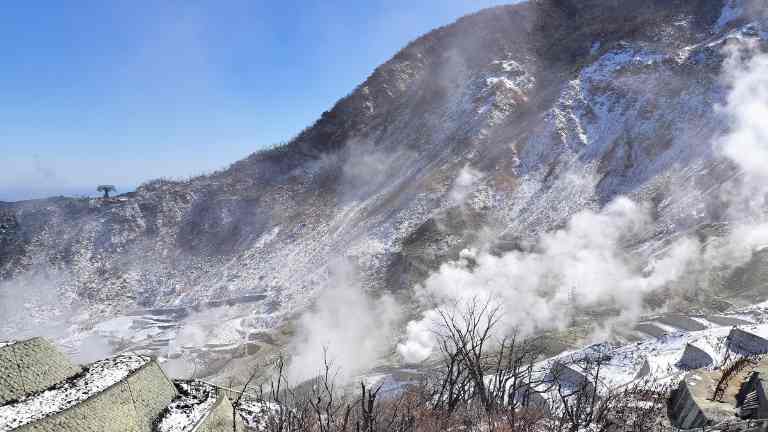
42	391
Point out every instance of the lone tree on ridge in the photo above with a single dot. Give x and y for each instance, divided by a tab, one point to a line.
106	189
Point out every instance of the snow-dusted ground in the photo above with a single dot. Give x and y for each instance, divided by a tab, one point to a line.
255	413
186	411
666	357
7	343
97	378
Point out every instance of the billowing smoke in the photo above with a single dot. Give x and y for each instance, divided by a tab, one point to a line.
464	185
746	111
747	108
746	145
346	324
582	265
31	304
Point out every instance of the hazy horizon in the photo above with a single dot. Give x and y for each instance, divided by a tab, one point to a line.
124	92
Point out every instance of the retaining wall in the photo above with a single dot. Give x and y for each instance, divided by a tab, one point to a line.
682	409
130	405
650	329
694	357
743	342
726	321
31	366
529	397
562	373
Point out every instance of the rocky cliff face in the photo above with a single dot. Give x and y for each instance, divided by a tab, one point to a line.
510	120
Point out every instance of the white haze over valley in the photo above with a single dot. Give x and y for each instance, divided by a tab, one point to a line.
355	329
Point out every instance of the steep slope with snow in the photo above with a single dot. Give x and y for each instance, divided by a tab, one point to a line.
502	125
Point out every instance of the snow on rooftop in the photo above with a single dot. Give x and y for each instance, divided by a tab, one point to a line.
184	414
97	378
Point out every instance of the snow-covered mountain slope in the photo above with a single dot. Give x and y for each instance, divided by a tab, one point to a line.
502	125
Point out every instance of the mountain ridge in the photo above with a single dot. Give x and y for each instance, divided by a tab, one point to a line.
503	125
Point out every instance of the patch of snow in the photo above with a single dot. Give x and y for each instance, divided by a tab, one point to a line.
7	343
492	81
704	322
662	355
757	330
126	328
256	414
510	66
97	378
268	237
666	327
613	62
741	34
732	10
186	412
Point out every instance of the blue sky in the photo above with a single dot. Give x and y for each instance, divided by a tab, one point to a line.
122	92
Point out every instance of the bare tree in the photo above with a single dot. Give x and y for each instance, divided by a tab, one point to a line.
468	334
291	410
453	379
486	367
638	407
331	411
513	379
368	413
236	403
487	380
576	383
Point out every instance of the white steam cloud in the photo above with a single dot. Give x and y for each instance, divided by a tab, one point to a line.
464	185
581	265
746	143
355	329
747	109
36	304
32	304
346	322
